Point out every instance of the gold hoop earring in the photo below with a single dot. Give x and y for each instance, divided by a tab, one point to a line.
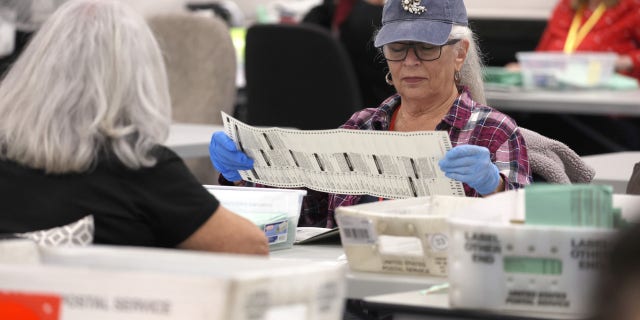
388	79
456	76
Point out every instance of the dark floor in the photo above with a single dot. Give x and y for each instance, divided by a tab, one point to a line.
355	310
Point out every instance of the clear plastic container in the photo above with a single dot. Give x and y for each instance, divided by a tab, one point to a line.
274	210
557	70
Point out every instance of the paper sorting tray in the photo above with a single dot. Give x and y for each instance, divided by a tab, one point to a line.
407	236
113	283
250	202
495	264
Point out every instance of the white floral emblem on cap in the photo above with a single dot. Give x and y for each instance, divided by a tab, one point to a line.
413	6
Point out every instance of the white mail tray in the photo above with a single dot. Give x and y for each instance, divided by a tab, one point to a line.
407	236
498	264
113	283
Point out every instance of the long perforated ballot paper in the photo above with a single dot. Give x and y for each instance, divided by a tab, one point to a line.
386	164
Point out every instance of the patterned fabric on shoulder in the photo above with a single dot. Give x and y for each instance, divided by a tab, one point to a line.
79	233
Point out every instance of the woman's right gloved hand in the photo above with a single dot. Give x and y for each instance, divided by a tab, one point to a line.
226	158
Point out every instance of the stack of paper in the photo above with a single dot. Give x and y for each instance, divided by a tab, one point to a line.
569	205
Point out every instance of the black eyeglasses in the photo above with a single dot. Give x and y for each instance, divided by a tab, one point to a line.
397	51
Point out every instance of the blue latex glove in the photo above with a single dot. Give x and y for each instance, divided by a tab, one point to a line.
472	165
226	158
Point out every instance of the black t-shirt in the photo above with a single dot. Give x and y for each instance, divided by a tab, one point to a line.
158	206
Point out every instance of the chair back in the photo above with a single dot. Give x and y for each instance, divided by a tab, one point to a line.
298	76
201	67
553	161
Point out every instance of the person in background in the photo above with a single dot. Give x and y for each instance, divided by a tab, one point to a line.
597	25
321	14
588	26
354	23
82	115
28	17
434	64
633	186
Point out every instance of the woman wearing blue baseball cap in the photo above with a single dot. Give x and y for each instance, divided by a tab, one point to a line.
435	67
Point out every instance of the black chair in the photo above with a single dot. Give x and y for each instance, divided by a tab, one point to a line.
298	76
500	39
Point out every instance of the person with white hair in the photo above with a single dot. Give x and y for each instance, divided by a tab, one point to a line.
83	114
435	66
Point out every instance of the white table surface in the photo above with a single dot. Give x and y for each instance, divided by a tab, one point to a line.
191	140
613	168
592	102
440	300
359	284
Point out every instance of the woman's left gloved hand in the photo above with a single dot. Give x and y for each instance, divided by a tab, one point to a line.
472	165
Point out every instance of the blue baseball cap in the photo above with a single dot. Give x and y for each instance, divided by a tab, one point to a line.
428	21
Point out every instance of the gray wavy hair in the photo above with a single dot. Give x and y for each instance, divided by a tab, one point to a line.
92	79
471	71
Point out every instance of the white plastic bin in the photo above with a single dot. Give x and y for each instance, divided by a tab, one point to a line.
113	283
251	202
557	70
499	265
406	236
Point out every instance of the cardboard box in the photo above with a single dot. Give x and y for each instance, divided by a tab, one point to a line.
104	282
